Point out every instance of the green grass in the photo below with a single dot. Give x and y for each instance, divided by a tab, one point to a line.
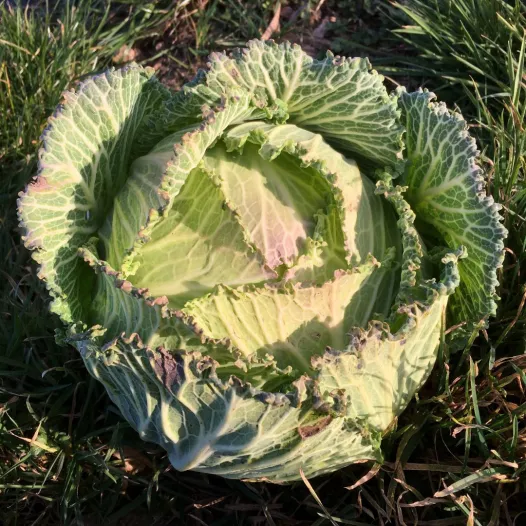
462	43
66	456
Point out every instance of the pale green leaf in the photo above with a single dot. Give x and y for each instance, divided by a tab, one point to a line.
139	195
290	322
276	200
172	170
198	245
113	307
312	168
379	373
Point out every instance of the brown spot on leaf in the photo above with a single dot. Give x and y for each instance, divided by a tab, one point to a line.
161	300
168	367
314	429
164	195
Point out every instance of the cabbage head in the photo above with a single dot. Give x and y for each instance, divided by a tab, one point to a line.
261	267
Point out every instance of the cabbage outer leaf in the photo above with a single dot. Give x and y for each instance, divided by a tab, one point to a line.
87	150
340	98
446	190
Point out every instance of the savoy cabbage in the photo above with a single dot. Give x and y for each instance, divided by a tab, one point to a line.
261	267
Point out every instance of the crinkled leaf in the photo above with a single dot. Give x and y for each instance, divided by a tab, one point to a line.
118	308
290	322
188	153
112	305
338	97
276	200
366	222
224	427
199	245
446	190
88	147
139	195
379	374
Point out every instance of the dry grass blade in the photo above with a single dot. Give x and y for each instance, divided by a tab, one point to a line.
273	27
484	475
316	498
368	476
